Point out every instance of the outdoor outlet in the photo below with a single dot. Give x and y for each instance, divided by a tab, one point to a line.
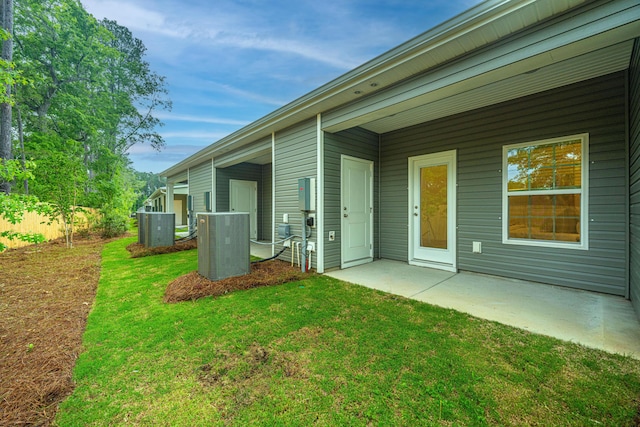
477	247
311	246
332	236
285	218
287	243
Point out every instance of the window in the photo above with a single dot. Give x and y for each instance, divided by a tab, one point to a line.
545	192
207	201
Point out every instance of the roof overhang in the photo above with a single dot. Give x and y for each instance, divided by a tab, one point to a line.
463	40
586	43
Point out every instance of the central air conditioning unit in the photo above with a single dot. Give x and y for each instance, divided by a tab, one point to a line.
159	229
223	245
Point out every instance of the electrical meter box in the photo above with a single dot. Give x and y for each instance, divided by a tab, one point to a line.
284	231
307	194
159	229
223	245
140	218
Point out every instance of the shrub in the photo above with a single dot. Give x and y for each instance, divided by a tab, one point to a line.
113	225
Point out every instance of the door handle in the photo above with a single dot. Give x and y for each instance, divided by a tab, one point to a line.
346	215
415	214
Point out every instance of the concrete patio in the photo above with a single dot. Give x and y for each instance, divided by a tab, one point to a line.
595	320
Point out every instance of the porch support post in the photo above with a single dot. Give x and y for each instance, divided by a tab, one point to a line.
320	198
168	198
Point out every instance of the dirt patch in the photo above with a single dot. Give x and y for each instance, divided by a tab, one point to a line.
45	296
192	286
138	250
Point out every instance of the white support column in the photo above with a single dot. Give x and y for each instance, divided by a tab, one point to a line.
214	194
273	193
320	197
168	203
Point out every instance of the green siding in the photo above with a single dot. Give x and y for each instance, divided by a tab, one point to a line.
245	172
296	157
358	143
634	163
596	106
266	196
199	183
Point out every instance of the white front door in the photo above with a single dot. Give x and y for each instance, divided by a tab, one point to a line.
243	197
432	210
356	211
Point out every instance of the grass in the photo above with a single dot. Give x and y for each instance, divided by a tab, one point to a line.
323	352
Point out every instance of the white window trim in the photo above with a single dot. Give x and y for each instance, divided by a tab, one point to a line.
584	198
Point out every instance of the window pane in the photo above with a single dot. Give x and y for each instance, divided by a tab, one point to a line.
552	217
542	178
569	153
568	217
518	169
548	166
568	176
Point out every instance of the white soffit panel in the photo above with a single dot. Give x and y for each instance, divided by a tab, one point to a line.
584	67
257	153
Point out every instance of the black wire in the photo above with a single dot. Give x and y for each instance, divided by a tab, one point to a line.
269	259
191	236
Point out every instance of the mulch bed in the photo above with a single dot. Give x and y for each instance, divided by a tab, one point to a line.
138	250
192	285
46	293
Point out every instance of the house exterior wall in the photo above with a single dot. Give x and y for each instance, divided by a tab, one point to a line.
266	218
295	155
199	183
358	143
596	106
244	172
634	163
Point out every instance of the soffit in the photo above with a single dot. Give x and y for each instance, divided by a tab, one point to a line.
596	30
583	67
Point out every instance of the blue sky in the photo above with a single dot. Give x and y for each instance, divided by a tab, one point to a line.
228	63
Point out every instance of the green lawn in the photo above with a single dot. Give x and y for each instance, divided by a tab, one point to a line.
323	352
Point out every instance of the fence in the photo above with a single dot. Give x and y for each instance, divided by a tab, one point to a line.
35	223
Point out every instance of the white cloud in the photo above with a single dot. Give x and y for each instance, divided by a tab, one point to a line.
308	50
209	136
163	115
226	30
145	149
231	90
134	17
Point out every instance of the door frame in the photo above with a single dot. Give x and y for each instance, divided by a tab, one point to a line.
370	163
442	157
253	216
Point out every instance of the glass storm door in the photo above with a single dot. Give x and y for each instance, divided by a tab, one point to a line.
432	225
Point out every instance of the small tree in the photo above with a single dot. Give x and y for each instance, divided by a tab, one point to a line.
60	180
113	192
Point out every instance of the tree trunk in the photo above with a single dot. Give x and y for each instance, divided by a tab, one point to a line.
5	107
21	140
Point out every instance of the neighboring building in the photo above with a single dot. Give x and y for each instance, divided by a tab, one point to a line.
157	202
505	141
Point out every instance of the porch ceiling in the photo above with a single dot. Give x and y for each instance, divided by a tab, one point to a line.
460	98
258	153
